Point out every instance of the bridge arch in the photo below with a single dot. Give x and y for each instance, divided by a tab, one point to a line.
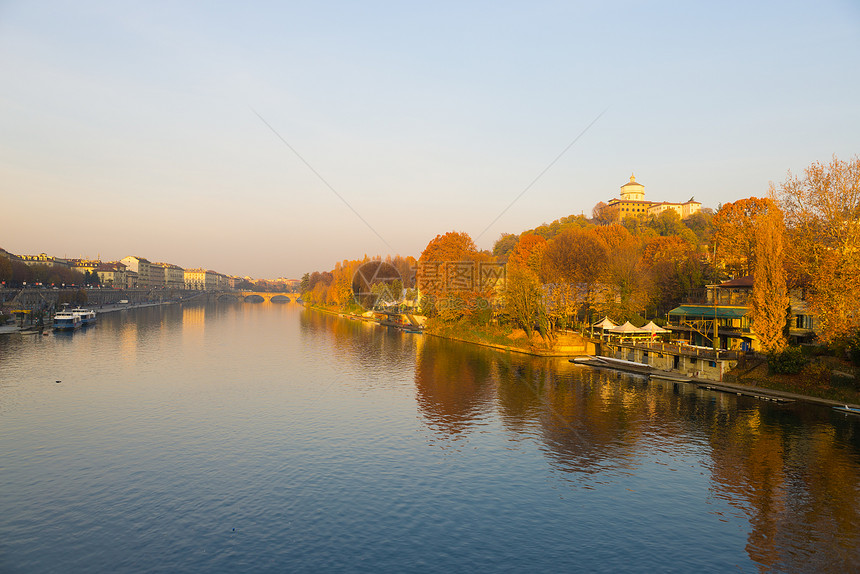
266	297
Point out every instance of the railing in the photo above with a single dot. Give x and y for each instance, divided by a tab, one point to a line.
730	298
681	349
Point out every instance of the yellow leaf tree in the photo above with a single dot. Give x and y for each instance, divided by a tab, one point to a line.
770	301
822	212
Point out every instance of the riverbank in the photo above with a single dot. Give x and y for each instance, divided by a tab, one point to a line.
566	344
510	341
758	383
99	309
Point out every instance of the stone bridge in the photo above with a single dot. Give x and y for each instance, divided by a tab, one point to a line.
259	296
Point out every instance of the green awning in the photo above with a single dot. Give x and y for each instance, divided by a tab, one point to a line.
708	312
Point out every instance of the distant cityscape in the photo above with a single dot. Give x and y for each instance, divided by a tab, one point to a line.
131	272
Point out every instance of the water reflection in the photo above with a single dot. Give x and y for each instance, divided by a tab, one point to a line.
792	470
796	475
328	429
455	385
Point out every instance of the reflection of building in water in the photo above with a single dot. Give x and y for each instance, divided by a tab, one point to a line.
193	317
193	323
128	342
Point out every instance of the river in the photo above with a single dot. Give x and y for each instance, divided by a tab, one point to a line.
270	438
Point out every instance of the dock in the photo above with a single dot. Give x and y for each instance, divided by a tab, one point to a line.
759	393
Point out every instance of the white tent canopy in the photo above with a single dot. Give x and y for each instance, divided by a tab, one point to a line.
605	324
651	327
628	328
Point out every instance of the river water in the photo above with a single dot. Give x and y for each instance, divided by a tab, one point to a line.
270	438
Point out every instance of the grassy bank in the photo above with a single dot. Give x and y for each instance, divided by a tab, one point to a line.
507	338
480	334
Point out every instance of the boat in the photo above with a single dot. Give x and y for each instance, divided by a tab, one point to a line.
88	316
67	321
847	409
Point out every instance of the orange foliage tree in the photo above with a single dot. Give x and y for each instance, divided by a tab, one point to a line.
528	252
822	212
770	303
523	292
448	276
734	233
575	259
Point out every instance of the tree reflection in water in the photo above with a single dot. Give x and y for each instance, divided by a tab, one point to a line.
793	470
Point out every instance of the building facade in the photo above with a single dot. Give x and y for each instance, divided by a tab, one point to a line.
142	268
172	276
44	259
112	275
200	280
632	203
727	306
85	265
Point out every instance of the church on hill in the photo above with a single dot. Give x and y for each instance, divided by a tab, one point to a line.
634	204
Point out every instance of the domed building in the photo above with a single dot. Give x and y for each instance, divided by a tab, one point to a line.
633	203
633	191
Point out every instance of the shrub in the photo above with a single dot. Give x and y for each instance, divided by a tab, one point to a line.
789	362
853	348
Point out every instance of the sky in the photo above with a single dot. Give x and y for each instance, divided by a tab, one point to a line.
270	139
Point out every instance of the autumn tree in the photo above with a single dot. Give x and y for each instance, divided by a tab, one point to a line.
734	233
674	271
550	230
406	267
448	276
604	214
528	252
770	303
504	245
668	223
822	212
339	291
576	258
701	224
524	300
625	277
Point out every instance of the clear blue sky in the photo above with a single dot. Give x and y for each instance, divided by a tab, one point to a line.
130	128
